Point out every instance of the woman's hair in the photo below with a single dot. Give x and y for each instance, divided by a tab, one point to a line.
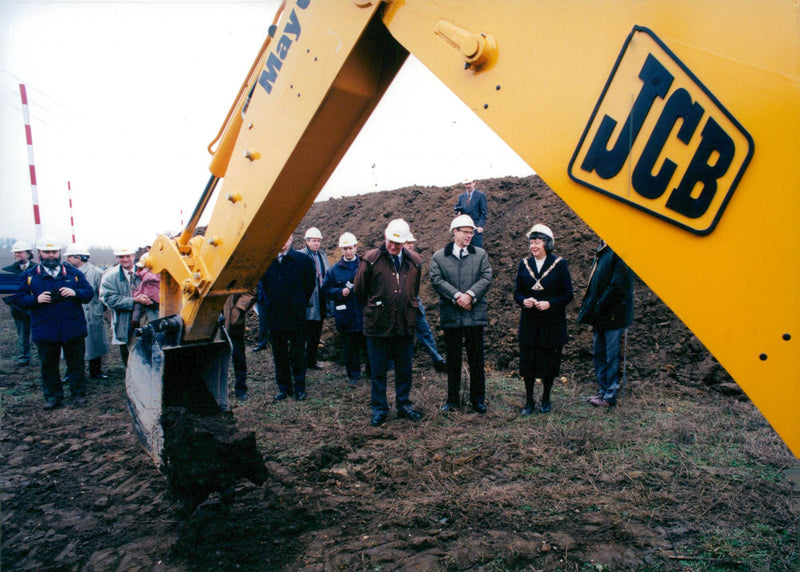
549	243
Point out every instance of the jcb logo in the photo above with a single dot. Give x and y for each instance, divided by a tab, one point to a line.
660	141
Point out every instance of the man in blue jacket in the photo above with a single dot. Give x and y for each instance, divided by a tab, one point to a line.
55	292
608	308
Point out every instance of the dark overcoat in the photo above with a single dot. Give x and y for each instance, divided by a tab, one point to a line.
608	302
546	328
347	310
288	286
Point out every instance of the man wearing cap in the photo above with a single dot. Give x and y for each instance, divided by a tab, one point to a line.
23	259
348	314
472	203
96	341
288	285
423	329
54	293
317	306
387	285
116	292
461	275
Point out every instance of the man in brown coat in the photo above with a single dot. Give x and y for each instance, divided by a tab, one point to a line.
387	285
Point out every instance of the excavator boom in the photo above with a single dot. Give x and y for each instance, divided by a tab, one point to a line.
671	127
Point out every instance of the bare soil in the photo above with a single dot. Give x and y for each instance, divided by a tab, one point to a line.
684	474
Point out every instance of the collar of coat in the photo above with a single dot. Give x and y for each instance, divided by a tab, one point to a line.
373	255
448	250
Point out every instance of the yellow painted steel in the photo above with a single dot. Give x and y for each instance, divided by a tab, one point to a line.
738	285
715	237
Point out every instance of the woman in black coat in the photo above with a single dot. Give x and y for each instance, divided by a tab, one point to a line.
543	290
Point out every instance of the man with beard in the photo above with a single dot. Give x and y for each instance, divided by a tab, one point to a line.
54	293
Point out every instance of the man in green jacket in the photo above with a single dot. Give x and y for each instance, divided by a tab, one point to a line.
461	275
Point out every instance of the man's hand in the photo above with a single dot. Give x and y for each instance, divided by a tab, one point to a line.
464	301
66	292
143	299
44	298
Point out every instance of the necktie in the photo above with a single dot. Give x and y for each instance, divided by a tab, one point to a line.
396	262
469	197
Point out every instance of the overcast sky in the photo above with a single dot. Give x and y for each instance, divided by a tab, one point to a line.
124	97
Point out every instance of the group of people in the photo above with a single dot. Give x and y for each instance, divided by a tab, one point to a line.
373	298
378	313
60	304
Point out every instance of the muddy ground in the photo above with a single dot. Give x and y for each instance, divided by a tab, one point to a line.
684	474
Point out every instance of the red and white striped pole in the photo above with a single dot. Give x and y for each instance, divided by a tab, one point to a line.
29	138
71	219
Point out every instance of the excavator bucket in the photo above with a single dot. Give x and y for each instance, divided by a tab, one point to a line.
163	374
178	397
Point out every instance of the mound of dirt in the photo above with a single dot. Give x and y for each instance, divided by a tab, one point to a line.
659	344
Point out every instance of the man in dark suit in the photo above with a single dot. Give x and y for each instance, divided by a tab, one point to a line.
472	203
288	285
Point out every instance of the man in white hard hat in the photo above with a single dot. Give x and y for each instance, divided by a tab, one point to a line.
472	203
317	309
116	291
461	275
423	329
23	259
387	285
96	339
54	293
348	313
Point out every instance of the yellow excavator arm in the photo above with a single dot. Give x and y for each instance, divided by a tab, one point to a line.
671	127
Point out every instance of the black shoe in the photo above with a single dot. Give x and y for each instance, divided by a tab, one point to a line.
79	401
440	366
300	396
410	414
479	408
260	348
377	419
281	396
101	376
313	366
241	395
545	407
51	403
354	379
527	410
449	408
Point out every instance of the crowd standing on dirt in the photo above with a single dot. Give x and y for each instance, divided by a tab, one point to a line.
373	298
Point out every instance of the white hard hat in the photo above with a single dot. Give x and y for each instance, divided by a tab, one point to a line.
411	237
347	239
48	242
398	231
124	251
462	220
540	229
313	232
467	180
20	246
76	249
